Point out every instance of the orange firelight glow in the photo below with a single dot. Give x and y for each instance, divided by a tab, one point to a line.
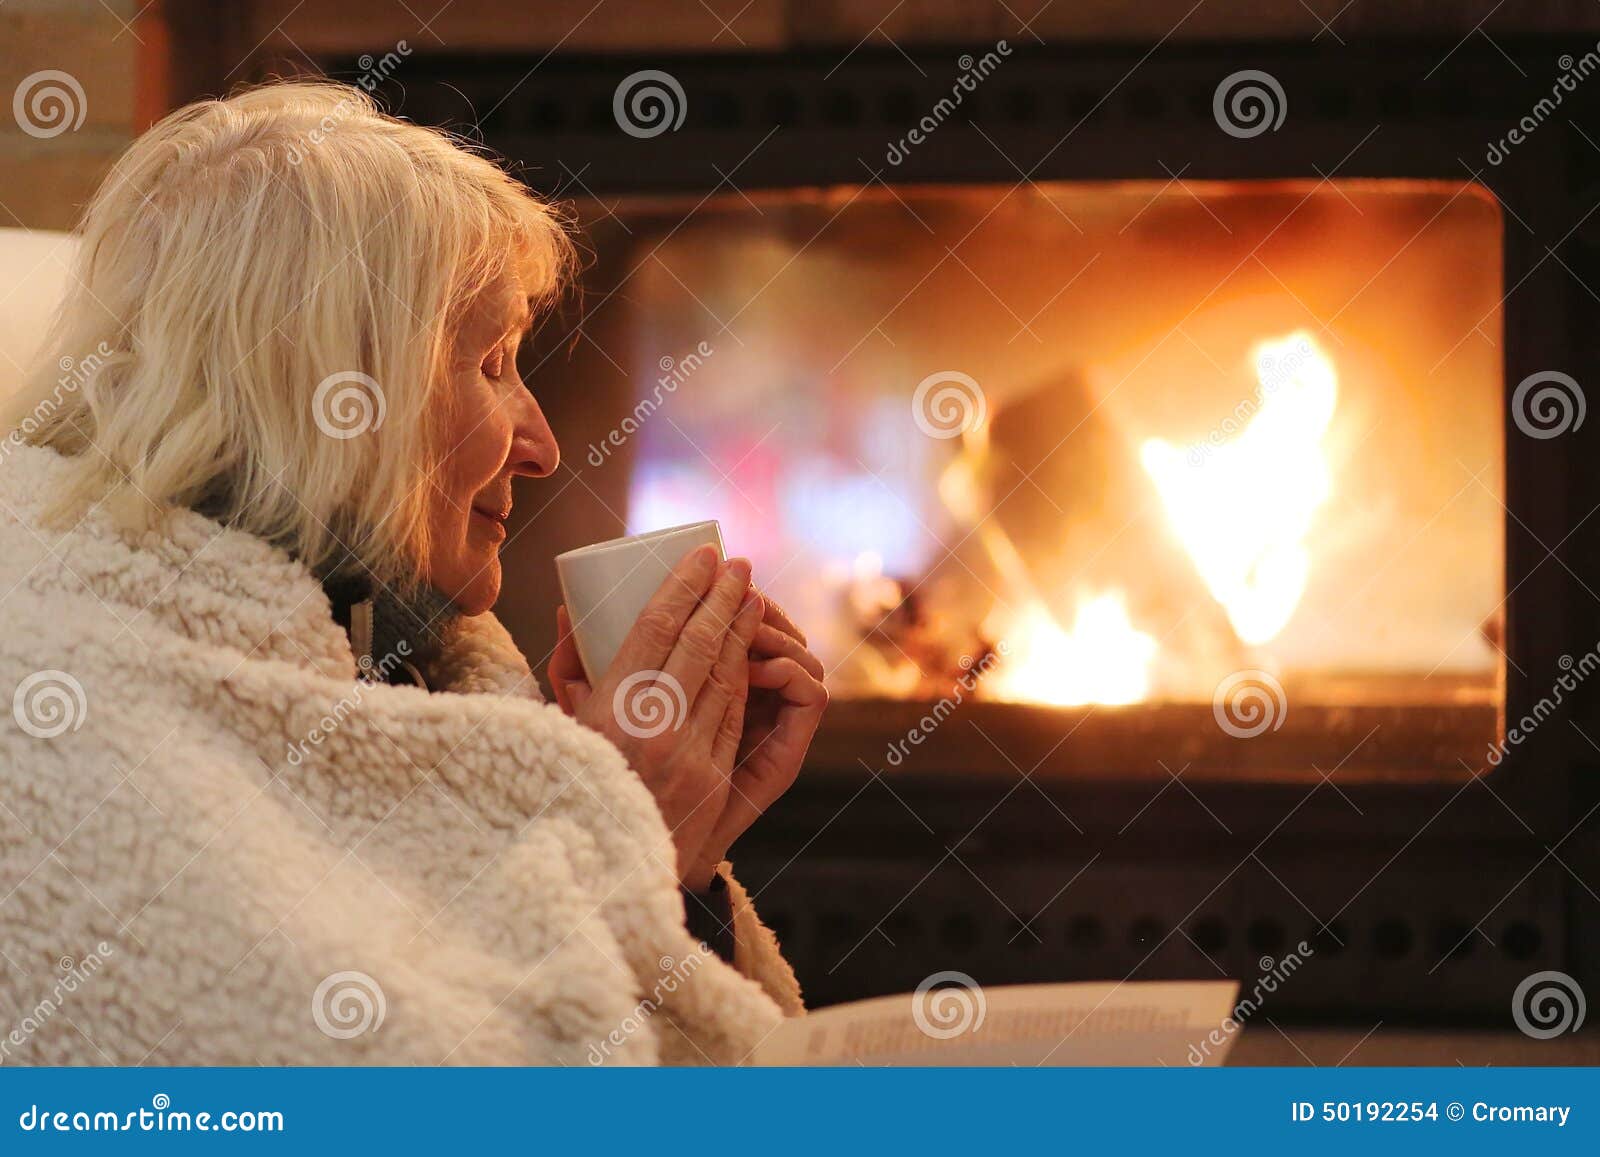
1241	504
1243	507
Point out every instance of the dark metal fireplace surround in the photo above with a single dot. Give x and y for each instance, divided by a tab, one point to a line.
1423	899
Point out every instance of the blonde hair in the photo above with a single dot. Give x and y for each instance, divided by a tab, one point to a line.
268	286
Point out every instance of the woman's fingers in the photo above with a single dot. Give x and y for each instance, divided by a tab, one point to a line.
721	704
771	643
566	668
699	645
655	634
794	682
728	678
777	618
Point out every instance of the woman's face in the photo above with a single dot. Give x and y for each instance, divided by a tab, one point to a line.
494	432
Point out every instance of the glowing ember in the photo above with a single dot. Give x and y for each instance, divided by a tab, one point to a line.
1103	659
1241	504
1243	508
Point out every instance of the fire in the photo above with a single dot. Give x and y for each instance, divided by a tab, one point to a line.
1241	504
1243	508
1102	659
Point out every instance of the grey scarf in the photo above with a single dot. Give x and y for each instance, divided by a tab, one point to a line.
394	633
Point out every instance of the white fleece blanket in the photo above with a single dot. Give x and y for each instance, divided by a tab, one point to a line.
217	848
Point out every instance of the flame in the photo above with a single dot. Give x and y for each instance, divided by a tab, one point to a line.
1241	504
1243	508
1102	659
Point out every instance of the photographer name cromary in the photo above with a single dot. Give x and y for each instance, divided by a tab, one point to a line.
1521	1114
676	374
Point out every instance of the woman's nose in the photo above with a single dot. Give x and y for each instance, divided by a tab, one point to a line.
534	453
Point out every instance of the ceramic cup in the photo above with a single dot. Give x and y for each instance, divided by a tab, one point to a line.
606	585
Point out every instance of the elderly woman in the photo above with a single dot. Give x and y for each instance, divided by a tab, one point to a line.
278	788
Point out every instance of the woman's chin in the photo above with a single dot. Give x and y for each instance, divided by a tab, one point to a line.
477	587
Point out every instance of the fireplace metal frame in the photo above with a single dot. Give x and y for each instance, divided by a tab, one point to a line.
1421	899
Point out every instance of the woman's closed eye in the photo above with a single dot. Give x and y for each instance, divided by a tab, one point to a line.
494	366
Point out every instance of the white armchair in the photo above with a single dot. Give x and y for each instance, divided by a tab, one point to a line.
34	268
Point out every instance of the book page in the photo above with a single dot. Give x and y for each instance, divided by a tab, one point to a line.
1177	1023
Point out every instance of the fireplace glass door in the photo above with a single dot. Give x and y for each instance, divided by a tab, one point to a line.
1202	461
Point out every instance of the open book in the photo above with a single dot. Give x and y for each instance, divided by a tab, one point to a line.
1149	1022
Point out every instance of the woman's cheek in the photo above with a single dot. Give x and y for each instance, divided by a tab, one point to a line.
475	432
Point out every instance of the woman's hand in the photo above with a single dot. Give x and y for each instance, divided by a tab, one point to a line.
673	699
787	699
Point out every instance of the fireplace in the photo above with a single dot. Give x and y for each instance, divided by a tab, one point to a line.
1131	471
1184	507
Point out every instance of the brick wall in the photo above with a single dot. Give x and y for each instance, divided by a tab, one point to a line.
130	60
71	126
290	28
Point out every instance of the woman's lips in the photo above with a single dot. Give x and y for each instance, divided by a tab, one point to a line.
493	521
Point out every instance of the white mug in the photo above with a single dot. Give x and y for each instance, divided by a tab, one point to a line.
606	585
